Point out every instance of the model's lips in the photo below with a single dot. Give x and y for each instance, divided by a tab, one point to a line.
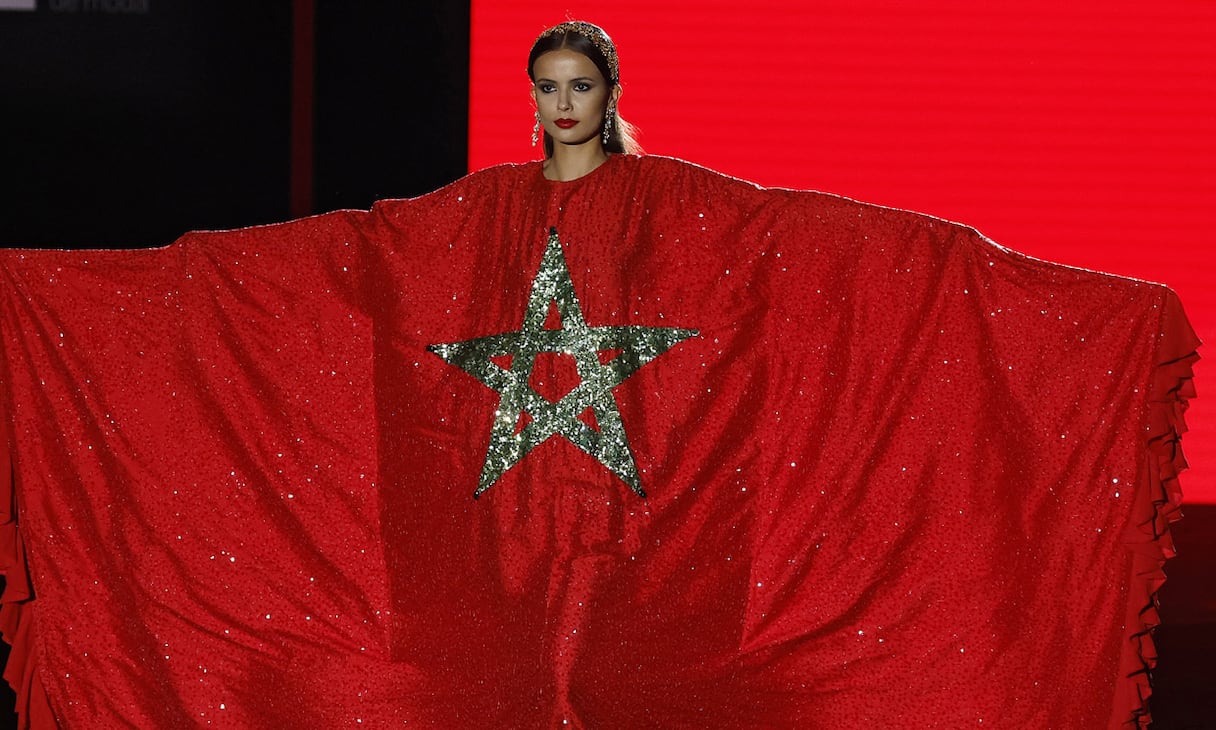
565	123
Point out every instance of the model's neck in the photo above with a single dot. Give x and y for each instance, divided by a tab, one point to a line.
571	163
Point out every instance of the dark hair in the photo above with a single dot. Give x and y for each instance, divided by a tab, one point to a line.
622	137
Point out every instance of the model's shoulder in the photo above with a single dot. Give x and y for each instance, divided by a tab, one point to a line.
508	173
673	169
475	184
505	170
668	164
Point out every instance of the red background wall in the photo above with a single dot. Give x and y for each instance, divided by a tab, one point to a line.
1083	133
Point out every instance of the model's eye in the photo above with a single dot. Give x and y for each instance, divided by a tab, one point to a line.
546	88
582	86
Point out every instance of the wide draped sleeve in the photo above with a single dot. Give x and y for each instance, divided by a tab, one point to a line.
742	457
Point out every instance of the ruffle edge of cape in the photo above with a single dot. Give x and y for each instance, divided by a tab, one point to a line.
1158	500
17	612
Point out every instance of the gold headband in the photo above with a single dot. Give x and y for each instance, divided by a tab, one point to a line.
598	38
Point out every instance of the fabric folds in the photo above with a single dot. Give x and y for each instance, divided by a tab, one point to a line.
895	475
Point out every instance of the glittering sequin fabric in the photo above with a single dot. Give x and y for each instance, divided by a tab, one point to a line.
741	458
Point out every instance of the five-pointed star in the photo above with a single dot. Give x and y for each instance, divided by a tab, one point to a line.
635	346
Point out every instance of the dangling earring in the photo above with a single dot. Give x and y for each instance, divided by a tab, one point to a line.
536	130
609	115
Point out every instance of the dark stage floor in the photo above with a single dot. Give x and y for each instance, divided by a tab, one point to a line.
1184	685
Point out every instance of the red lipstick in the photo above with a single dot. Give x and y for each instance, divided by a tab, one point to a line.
565	123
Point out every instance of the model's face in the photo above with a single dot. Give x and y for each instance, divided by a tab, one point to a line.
571	96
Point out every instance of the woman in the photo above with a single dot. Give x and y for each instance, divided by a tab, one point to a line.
576	86
741	458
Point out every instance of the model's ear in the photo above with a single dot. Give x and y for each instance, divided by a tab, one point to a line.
616	93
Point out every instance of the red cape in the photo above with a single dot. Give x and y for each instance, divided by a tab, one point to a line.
898	476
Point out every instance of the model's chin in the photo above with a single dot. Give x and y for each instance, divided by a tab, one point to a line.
573	137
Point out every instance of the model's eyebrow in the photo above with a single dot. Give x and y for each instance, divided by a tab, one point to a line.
586	79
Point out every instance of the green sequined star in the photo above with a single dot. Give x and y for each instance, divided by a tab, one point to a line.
634	347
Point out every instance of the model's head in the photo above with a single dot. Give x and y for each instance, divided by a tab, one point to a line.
576	83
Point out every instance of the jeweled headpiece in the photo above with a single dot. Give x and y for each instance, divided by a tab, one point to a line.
598	38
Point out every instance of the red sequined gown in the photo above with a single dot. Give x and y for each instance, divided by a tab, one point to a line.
895	475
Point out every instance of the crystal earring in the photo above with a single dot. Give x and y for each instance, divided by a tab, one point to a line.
609	115
536	130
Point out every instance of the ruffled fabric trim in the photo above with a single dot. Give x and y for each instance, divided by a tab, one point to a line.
1158	498
16	612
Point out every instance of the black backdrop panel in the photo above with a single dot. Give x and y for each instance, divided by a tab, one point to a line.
392	99
127	122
